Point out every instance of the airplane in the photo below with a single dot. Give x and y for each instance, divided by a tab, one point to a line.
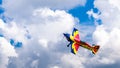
75	42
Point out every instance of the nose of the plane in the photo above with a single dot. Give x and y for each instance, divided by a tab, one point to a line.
66	35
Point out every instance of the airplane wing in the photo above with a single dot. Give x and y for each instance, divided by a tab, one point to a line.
74	47
75	34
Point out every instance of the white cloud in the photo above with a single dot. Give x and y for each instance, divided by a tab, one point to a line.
91	13
110	13
43	42
22	9
72	61
13	31
101	34
96	16
109	42
46	28
43	3
107	34
115	3
55	67
6	51
50	23
35	64
106	61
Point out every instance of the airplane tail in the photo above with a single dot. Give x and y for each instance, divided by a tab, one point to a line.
95	49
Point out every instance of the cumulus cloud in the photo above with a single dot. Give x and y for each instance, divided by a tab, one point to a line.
52	23
23	8
46	30
12	30
110	14
107	34
72	61
44	3
6	51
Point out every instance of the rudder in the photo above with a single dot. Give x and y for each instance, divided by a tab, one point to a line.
95	49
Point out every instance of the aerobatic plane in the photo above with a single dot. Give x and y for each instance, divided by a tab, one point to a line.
75	42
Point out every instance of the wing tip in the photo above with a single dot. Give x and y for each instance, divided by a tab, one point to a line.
75	29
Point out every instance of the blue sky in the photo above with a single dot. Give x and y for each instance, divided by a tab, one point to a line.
0	1
80	12
31	33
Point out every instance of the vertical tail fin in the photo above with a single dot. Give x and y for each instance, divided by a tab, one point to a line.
95	49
